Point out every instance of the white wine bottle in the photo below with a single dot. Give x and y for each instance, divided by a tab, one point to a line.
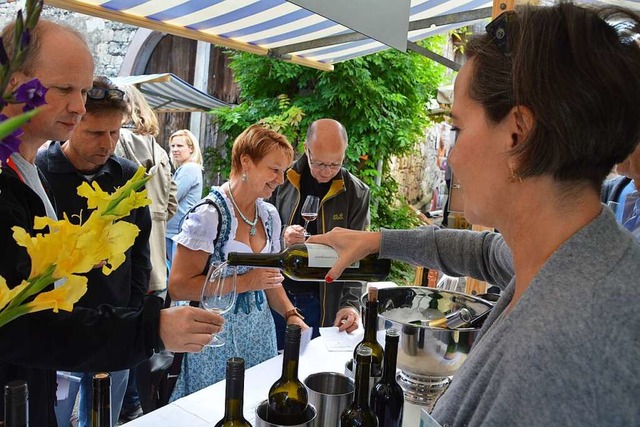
16	404
370	333
387	397
359	413
311	262
234	398
101	409
288	397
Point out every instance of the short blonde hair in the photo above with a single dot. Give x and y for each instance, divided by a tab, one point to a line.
192	142
257	141
141	116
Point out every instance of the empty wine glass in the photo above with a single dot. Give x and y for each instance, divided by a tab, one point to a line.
309	212
219	293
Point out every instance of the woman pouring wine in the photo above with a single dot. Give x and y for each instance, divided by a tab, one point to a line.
233	217
544	107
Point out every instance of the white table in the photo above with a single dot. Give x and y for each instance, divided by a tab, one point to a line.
206	407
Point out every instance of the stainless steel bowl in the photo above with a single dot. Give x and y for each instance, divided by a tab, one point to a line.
426	351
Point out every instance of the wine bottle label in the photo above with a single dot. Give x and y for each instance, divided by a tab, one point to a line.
324	256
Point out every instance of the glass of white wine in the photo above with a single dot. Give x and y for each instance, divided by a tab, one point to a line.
309	212
219	293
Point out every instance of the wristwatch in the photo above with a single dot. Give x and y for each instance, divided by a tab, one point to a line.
292	312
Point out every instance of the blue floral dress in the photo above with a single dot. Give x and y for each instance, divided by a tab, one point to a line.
249	330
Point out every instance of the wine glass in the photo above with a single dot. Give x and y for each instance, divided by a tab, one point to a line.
309	212
219	293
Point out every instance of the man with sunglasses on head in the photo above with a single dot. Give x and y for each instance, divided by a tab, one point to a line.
344	202
104	339
88	156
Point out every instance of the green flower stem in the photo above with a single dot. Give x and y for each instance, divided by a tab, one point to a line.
36	285
134	186
8	126
7	315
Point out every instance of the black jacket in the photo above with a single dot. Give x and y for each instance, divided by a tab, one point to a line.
34	346
127	285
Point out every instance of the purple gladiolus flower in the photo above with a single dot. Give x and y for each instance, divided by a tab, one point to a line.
10	144
31	94
25	39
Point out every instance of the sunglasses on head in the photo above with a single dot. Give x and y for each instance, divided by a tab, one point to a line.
497	29
98	93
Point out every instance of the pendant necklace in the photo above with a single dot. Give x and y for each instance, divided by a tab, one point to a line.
252	224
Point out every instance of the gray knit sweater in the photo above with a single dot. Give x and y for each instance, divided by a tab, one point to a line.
568	353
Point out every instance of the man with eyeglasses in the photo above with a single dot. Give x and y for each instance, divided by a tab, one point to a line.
87	156
344	202
624	192
109	338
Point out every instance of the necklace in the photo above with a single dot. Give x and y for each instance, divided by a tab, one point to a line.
252	224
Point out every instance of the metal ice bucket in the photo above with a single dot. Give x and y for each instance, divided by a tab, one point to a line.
423	350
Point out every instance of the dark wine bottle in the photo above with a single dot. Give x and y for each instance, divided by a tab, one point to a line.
16	404
233	402
387	397
101	410
311	262
359	413
370	331
288	397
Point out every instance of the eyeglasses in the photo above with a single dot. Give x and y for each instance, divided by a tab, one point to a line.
497	29
322	166
98	93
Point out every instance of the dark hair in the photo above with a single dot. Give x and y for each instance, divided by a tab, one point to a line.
35	42
257	141
111	102
577	69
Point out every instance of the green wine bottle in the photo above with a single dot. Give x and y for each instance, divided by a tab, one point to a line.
387	397
16	404
359	413
370	333
233	402
311	262
101	409
288	397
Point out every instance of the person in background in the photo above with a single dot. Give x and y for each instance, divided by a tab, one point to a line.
537	132
235	218
187	159
87	156
138	143
344	202
110	338
624	191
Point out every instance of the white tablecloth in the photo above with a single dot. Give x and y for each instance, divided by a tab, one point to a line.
206	407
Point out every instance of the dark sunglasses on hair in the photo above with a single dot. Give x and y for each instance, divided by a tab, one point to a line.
497	30
99	93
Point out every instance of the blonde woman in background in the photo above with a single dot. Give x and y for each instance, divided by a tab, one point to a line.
138	144
187	159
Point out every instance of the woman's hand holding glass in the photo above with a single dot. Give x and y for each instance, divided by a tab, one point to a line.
219	293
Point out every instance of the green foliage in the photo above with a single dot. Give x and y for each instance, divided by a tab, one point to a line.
379	98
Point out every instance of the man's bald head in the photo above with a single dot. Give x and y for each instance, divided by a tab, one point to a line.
326	145
37	36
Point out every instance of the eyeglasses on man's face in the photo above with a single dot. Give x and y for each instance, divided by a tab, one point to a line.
98	93
322	166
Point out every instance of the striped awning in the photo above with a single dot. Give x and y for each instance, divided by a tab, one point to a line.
169	93
276	28
283	30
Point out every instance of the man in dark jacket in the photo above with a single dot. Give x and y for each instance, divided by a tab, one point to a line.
88	157
344	202
36	345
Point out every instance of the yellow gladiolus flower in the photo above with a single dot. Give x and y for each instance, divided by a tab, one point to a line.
61	298
6	294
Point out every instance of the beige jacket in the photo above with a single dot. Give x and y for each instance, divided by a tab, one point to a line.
161	189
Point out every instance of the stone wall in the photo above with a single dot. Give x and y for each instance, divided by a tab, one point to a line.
421	175
107	40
